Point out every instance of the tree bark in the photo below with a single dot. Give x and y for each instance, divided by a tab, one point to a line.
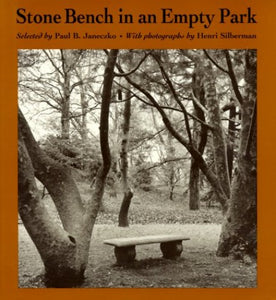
69	59
200	140
128	194
84	104
238	235
56	247
94	205
194	199
231	139
123	214
65	102
218	137
170	149
65	109
56	178
64	251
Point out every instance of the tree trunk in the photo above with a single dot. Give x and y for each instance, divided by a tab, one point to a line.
231	139
69	58
56	178
65	103
238	235
65	116
194	199
200	140
56	247
218	137
171	193
171	184
123	214
64	251
170	149
84	130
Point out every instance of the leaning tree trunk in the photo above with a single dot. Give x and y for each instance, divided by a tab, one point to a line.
56	247
128	194
238	235
64	251
56	178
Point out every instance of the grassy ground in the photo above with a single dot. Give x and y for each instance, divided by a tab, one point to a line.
155	207
151	213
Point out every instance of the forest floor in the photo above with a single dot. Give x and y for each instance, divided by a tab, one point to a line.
198	266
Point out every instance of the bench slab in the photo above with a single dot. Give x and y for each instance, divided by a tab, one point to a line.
142	240
170	245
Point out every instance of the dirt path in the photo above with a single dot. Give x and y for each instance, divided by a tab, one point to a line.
197	267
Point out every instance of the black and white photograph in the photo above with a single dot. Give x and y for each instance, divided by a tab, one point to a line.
137	168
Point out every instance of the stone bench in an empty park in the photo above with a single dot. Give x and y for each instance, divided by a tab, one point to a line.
171	246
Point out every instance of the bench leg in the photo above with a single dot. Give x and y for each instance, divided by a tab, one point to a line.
171	250
125	255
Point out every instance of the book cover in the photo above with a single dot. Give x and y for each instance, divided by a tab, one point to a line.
103	102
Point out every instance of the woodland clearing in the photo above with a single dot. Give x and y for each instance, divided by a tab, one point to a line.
198	266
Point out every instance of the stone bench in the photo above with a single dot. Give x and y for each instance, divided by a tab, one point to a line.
171	246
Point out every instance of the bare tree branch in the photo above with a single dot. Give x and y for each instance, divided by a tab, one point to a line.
233	77
159	164
214	62
52	62
173	91
228	105
199	105
193	151
134	69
